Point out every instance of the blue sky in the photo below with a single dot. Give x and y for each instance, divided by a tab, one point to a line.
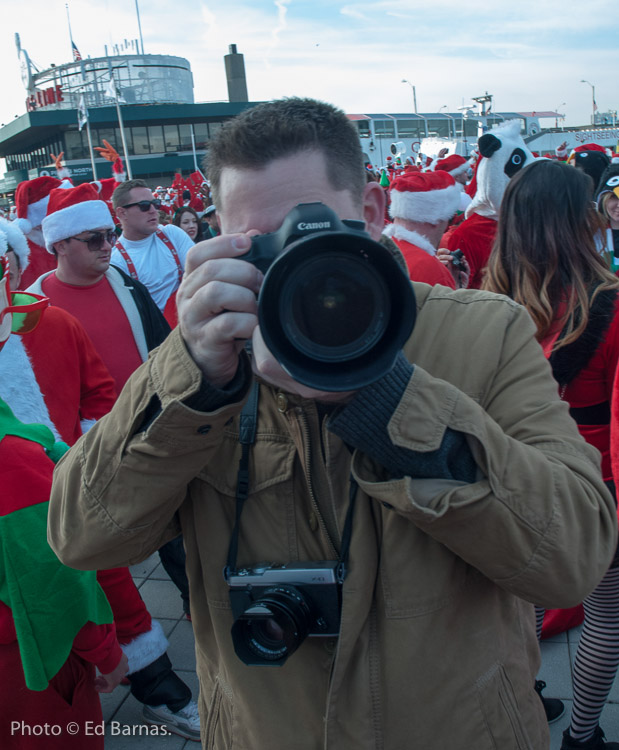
531	55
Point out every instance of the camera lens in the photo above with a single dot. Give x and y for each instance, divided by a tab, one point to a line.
274	626
336	309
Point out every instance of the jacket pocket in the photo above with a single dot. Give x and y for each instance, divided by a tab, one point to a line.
267	526
500	712
218	727
418	575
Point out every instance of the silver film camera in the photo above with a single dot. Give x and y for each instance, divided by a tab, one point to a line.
276	607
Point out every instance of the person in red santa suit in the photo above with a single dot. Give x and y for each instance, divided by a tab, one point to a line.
504	154
460	169
421	204
68	406
55	622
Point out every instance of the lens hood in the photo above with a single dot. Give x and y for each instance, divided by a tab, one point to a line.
335	308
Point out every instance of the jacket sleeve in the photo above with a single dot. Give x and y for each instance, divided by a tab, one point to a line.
538	519
151	445
98	645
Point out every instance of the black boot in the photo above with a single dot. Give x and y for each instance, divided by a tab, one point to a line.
594	743
553	707
158	683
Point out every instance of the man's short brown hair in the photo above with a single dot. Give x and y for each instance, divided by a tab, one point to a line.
119	196
285	127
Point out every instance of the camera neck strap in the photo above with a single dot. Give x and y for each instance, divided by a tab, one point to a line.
247	437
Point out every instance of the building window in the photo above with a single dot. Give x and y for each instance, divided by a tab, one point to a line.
384	128
363	126
74	147
140	140
200	134
155	136
170	135
108	134
438	128
184	137
410	128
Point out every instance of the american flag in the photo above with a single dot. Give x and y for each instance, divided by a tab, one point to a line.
76	52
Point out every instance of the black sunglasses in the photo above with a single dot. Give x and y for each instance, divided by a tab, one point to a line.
144	206
97	239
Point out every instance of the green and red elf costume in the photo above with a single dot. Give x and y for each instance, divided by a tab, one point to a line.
55	622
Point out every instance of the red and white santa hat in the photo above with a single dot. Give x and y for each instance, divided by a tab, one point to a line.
454	165
70	212
427	197
31	199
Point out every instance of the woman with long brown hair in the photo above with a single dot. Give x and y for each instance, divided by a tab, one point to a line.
545	258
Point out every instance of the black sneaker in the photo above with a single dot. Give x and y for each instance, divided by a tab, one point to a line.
553	707
594	743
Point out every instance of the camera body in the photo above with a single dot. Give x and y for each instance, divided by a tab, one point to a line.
275	607
457	258
305	219
335	307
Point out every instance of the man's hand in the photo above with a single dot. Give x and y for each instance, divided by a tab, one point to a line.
107	151
217	305
105	683
267	367
461	273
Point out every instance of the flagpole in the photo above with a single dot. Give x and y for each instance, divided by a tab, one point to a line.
193	148
120	122
66	5
90	148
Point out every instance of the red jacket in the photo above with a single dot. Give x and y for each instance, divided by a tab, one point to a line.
475	237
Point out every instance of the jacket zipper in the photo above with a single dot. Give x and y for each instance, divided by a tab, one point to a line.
308	462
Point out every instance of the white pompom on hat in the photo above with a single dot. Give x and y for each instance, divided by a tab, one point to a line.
70	212
31	199
427	197
16	241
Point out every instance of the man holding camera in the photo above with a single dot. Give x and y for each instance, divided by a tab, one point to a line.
381	539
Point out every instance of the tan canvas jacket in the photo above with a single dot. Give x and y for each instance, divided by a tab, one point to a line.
437	646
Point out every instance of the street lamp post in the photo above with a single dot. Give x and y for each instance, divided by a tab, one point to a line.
451	118
559	115
414	94
593	104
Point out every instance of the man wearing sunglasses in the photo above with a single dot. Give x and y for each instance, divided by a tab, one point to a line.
153	254
79	231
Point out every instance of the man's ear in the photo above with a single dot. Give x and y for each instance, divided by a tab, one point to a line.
59	248
374	209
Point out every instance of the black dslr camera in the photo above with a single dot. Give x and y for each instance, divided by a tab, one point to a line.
335	307
276	607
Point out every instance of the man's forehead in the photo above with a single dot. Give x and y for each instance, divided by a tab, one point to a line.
139	194
261	198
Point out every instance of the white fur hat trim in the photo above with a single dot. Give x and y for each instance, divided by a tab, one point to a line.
80	217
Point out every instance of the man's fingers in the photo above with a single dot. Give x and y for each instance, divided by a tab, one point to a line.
224	246
222	270
216	298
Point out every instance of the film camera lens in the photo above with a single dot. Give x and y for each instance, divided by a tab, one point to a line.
335	307
274	627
